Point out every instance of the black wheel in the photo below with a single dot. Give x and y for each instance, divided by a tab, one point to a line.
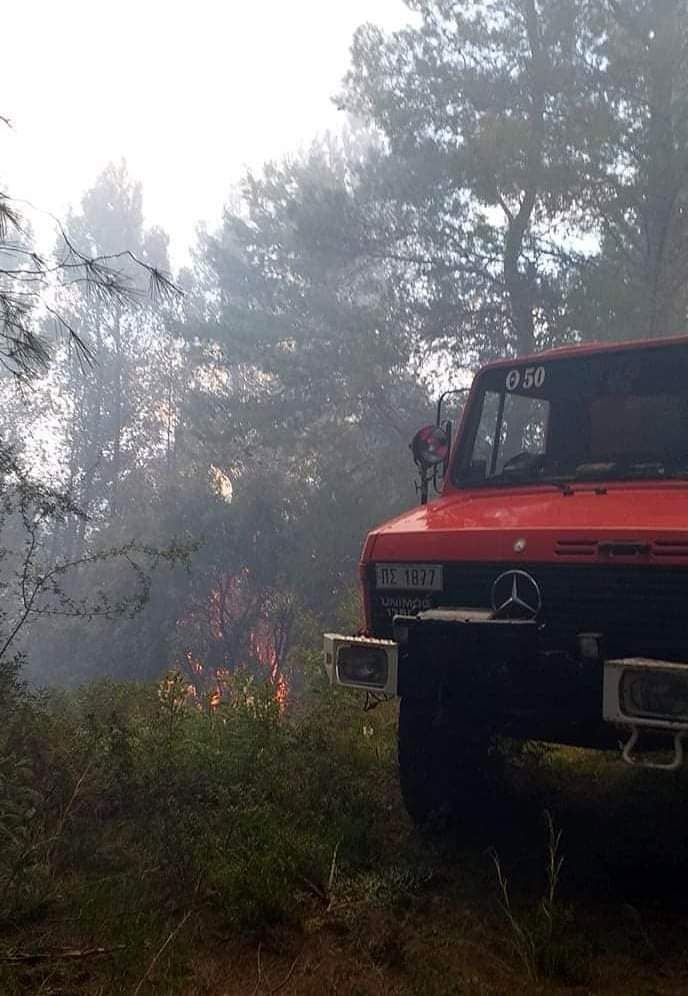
446	772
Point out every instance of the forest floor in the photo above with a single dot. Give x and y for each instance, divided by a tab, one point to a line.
428	917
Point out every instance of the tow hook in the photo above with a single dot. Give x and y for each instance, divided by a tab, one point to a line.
638	761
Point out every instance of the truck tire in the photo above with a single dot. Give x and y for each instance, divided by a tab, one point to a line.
444	770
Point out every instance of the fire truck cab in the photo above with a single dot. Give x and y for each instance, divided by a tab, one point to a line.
543	593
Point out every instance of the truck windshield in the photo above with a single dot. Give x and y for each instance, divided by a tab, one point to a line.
619	415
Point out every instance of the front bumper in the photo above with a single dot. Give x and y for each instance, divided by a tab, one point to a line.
496	673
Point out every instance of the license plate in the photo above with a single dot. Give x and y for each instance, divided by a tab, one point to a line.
409	577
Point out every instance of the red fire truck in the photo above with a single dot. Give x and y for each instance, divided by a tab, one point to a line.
543	592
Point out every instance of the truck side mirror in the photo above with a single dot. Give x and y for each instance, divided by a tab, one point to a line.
430	446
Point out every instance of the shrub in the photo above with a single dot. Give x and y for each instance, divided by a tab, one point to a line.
241	806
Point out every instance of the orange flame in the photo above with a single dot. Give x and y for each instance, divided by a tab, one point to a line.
226	604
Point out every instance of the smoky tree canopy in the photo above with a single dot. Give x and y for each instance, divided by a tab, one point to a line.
96	432
479	106
544	144
306	376
511	176
635	189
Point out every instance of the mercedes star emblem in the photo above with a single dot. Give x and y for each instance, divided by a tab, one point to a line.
516	595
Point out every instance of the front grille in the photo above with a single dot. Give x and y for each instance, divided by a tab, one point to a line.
642	611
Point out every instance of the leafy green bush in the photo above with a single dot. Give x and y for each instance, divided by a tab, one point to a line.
244	805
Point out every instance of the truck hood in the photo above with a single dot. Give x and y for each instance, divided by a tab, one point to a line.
541	525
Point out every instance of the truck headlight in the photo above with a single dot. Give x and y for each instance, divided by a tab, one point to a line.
362	665
362	662
642	692
654	694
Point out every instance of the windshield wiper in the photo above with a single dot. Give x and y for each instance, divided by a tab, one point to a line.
524	475
616	471
569	486
645	469
591	474
563	486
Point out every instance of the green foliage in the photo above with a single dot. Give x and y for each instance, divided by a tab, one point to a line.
142	819
24	846
240	805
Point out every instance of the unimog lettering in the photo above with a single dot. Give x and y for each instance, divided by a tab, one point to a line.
397	606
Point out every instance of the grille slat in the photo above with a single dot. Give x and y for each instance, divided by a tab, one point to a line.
670	548
575	548
640	609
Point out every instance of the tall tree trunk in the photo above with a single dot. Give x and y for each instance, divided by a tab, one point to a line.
93	450
519	284
117	413
66	537
664	169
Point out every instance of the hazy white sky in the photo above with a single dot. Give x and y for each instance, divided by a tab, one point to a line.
188	92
